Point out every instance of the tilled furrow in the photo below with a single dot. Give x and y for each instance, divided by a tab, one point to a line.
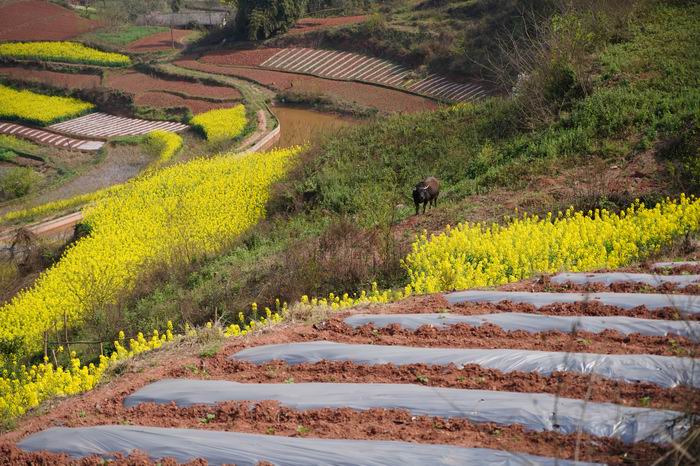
472	376
270	418
494	337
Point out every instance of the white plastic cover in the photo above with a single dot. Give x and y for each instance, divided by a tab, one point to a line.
665	371
249	449
621	277
534	411
684	303
535	323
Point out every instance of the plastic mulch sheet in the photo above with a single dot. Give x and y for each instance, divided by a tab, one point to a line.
683	303
665	371
249	449
621	277
536	323
534	411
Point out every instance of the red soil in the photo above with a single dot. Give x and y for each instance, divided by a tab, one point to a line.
544	284
437	303
313	24
377	424
492	337
40	20
386	100
53	78
250	57
159	41
165	100
134	83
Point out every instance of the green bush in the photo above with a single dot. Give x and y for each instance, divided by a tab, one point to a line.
17	182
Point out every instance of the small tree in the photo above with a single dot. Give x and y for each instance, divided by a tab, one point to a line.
175	6
260	19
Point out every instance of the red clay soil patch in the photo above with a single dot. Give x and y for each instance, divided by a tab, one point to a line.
471	376
490	336
41	20
545	285
437	303
52	78
165	100
313	24
10	455
377	424
386	100
135	83
159	41
250	57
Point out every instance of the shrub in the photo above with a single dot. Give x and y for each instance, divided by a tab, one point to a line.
220	125
17	182
39	109
69	52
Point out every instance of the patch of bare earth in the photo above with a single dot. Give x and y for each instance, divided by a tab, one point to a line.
386	100
544	284
244	57
52	78
160	41
41	20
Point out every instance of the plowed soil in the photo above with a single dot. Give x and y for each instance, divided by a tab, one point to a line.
10	455
386	100
53	78
251	57
437	303
545	284
104	404
376	424
40	20
159	41
165	100
135	83
314	24
490	336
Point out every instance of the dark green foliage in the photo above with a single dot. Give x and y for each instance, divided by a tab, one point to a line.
261	19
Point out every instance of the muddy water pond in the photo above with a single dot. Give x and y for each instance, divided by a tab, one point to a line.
301	125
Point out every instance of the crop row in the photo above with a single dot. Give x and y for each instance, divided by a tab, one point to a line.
163	144
220	125
67	52
38	109
475	255
177	214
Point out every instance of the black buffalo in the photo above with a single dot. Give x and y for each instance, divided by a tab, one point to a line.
426	192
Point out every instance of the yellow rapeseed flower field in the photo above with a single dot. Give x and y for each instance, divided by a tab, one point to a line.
220	125
67	52
39	109
176	214
163	144
476	255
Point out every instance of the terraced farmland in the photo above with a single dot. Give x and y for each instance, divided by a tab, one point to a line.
354	67
48	138
445	379
101	125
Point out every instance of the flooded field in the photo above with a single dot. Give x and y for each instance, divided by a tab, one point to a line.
300	125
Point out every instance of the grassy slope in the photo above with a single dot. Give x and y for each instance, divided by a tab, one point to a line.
330	225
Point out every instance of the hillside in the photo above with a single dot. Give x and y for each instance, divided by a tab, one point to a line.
177	215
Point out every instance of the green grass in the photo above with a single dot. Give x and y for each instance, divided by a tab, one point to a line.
123	35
